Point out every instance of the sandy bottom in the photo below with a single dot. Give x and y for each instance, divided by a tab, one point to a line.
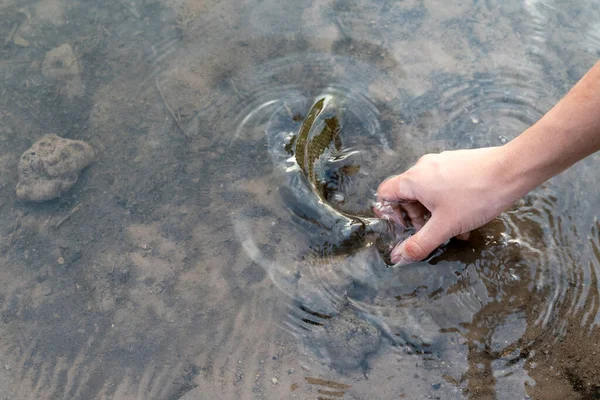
141	282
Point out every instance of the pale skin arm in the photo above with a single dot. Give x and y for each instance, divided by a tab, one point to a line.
465	189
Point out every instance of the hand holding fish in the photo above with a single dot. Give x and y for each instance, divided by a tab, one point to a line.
464	189
459	189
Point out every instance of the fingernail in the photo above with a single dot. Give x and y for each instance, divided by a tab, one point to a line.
397	256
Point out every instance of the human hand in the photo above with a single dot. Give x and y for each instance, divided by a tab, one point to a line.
465	189
461	190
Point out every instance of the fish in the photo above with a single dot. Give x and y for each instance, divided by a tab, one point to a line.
319	136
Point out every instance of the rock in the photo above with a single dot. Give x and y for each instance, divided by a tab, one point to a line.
61	64
51	167
19	41
348	340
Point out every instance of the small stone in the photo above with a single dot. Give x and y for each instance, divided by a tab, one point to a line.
7	367
19	41
60	63
51	167
60	261
275	381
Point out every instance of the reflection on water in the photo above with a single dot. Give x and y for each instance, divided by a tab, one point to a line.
187	270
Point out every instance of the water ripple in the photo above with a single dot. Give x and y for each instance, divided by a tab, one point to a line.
491	301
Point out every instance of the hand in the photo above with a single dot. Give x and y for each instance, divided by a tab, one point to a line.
462	190
465	189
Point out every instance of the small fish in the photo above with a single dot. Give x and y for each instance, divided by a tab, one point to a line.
318	136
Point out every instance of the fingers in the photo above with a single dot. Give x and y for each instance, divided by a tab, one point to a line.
464	236
416	213
389	211
398	194
422	243
396	188
408	215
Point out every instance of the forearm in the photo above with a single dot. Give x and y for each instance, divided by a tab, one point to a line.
569	132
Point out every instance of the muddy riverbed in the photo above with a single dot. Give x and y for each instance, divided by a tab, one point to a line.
176	267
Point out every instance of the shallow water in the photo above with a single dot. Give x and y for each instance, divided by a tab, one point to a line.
185	271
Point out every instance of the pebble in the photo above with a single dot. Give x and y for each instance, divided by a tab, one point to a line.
60	63
19	41
51	167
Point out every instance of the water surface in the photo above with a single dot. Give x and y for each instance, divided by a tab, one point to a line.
186	272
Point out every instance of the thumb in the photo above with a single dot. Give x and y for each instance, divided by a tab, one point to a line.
422	243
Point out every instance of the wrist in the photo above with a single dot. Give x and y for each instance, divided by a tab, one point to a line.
530	160
519	172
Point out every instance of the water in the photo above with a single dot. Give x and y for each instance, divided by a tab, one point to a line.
184	271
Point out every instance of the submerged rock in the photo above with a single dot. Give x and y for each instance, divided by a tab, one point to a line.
348	341
61	64
51	167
